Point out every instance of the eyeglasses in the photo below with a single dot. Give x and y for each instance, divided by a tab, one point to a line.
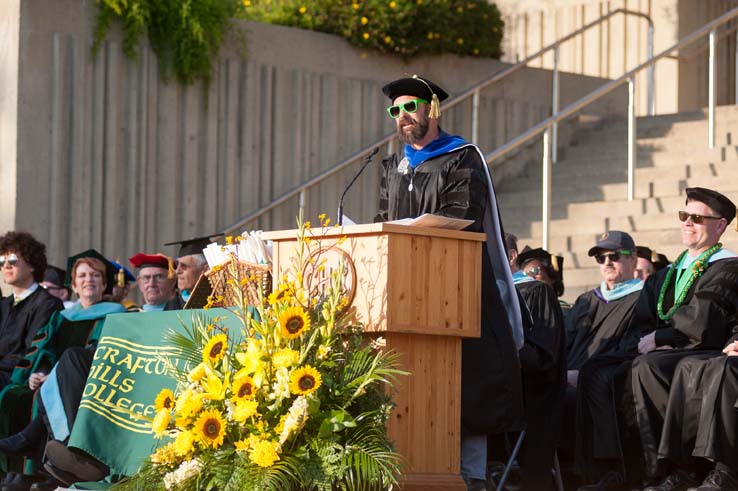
52	287
535	271
9	260
152	278
409	107
612	256
696	219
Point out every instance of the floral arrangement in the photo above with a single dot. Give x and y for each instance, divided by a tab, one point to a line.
298	400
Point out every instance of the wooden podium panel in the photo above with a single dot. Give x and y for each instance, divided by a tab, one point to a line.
420	289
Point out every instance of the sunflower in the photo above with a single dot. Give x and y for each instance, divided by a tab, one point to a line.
215	350
243	388
294	321
305	380
210	428
164	400
161	422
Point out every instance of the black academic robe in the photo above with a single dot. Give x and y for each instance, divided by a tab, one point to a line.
595	326
176	303
455	185
614	409
18	326
701	418
543	361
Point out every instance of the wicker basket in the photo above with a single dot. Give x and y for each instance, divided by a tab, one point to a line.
260	274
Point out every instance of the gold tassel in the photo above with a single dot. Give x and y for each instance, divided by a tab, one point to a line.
654	256
121	278
172	270
435	109
555	262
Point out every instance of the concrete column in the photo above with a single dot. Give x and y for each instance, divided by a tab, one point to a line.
9	52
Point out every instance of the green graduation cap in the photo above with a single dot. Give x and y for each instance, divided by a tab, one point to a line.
110	269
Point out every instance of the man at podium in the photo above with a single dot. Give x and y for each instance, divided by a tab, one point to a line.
445	175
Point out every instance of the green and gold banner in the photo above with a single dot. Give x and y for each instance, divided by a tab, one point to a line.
128	371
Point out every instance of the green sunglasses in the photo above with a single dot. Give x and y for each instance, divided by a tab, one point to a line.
409	107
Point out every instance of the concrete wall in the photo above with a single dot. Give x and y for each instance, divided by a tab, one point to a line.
109	156
620	43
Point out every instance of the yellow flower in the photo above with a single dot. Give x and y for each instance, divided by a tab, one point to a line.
460	41
387	39
188	404
294	322
323	351
303	10
198	373
430	35
355	6
364	21
460	9
244	410
215	350
285	358
210	428
305	380
392	5
164	455
161	422
243	388
246	3
365	35
252	361
264	453
164	400
215	388
242	445
184	443
476	51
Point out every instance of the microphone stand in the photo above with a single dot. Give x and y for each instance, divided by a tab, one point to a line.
367	161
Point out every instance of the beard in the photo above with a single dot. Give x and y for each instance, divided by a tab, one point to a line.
417	132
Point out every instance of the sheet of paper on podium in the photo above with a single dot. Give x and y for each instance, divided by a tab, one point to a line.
430	220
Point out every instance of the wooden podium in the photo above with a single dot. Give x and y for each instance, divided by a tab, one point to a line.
419	288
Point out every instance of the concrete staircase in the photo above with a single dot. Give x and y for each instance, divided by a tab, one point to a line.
590	188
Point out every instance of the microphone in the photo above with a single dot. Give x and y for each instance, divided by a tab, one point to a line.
367	161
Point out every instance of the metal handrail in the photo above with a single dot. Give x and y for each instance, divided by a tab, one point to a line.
475	93
629	77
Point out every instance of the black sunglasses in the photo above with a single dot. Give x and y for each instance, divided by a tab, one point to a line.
696	219
409	107
612	256
10	259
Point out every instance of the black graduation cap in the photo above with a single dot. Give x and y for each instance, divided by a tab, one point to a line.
418	87
193	246
110	269
718	202
55	275
556	262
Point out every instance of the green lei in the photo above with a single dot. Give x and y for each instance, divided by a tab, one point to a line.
698	267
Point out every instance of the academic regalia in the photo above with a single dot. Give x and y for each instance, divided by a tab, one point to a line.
610	390
176	303
595	326
456	183
701	417
18	326
543	362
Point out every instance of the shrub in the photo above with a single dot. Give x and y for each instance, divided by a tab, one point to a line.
404	27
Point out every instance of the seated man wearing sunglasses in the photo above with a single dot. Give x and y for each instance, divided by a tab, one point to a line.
686	308
445	175
23	263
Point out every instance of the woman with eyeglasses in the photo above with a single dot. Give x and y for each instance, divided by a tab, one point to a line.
28	308
539	279
91	276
